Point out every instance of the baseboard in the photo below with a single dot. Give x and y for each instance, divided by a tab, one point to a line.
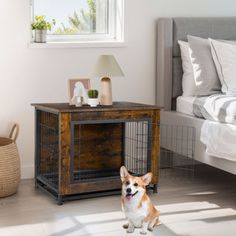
27	172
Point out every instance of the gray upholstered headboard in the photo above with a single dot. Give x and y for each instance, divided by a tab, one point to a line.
169	66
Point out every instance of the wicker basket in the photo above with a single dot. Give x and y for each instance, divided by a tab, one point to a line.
9	164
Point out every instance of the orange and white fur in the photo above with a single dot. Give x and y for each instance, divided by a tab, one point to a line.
136	204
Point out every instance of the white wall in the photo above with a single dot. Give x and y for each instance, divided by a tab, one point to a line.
40	75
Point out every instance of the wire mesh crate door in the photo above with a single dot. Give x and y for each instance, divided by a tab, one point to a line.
47	157
137	147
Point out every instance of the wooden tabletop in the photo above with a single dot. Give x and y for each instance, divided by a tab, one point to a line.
117	106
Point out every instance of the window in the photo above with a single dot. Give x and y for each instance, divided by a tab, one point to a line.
82	20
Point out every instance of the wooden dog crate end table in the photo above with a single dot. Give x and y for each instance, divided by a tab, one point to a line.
79	151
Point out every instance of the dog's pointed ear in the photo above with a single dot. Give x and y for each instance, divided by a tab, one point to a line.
147	178
123	173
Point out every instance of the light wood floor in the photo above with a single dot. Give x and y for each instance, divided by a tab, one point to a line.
203	206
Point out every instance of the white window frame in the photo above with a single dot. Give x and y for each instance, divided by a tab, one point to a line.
115	30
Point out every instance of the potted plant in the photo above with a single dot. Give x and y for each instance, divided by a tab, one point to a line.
40	26
93	98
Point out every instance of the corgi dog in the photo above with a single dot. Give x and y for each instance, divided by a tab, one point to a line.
136	204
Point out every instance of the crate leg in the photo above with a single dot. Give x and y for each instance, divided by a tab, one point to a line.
59	201
155	188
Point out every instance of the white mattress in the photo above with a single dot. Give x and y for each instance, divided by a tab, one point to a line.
185	105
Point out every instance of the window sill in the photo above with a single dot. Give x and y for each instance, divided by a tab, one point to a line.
91	44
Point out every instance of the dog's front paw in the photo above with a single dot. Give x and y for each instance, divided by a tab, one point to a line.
126	226
143	232
150	229
129	231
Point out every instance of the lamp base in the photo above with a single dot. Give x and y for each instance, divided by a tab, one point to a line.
106	92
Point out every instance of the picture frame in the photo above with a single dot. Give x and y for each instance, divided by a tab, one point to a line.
71	87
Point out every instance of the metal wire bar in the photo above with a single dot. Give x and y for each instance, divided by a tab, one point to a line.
177	148
47	161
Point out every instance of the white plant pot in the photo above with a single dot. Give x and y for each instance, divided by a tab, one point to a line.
93	102
40	36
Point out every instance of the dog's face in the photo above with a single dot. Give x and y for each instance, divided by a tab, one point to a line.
133	186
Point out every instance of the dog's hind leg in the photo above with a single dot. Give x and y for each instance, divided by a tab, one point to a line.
153	223
158	222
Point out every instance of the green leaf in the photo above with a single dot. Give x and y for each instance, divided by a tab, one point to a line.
40	23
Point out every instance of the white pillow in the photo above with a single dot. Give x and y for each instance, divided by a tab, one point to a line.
204	70
188	82
224	55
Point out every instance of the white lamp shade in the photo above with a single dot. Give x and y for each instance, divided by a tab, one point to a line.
107	66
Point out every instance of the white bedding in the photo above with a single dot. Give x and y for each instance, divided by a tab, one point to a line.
185	105
220	107
220	139
217	107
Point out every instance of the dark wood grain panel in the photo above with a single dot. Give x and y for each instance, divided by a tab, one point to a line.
89	187
155	146
117	106
112	116
64	152
98	146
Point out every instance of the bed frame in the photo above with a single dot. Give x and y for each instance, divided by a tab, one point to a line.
169	73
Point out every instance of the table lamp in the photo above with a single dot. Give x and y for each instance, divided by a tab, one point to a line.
105	68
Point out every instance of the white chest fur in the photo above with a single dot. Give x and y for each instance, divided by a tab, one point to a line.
136	212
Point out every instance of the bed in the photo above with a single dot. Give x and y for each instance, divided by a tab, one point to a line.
169	77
